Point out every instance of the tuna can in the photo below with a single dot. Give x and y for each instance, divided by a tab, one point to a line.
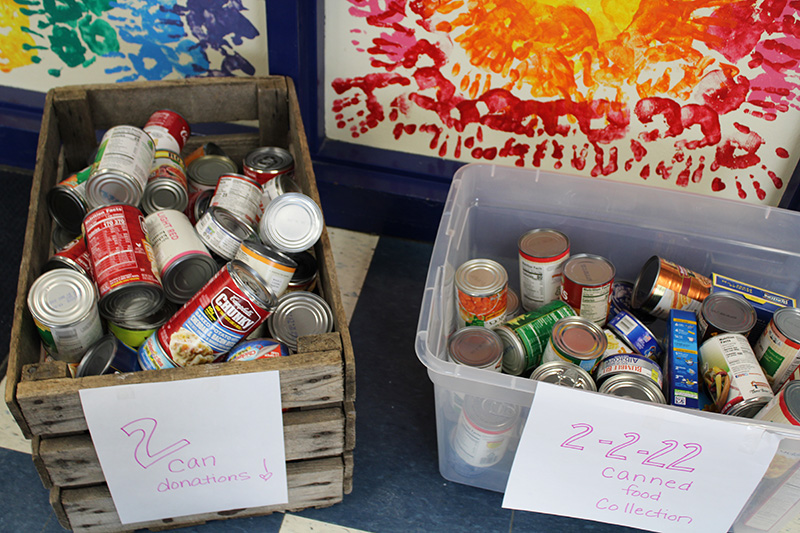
576	340
485	428
250	350
268	162
306	273
587	286
152	355
182	259
298	314
226	310
635	386
134	332
513	305
291	223
481	293
67	202
662	285
281	184
725	312
733	378
64	308
784	408
778	348
636	335
108	356
222	232
274	267
614	344
122	262
74	255
121	168
526	336
542	254
565	374
166	186
612	365
205	165
169	130
477	347
240	195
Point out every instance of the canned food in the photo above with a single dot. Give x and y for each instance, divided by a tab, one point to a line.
135	331
277	186
614	344
198	205
74	255
67	202
484	430
205	165
784	408
298	314
222	232
166	185
612	365
268	162
108	356
274	267
587	286
725	312
576	340
250	350
513	305
477	347
122	262
64	308
636	335
621	294
240	195
564	373
291	223
182	259
778	348
60	237
306	273
526	336
169	130
663	285
542	253
732	376
121	168
481	292
635	386
152	355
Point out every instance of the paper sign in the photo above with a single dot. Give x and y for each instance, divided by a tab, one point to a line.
186	447
622	462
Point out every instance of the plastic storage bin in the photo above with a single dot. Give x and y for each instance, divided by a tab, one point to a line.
489	207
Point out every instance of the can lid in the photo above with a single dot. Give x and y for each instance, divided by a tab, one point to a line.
67	208
230	223
513	304
248	280
747	408
514	353
164	193
299	313
475	346
131	301
791	398
61	297
489	414
728	312
635	386
291	223
564	373
98	357
106	187
207	169
186	275
787	320
481	277
266	159
587	269
579	338
543	243
154	320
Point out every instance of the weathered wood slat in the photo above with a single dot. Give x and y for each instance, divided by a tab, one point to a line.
76	126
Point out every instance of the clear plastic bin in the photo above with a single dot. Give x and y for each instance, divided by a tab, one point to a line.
489	207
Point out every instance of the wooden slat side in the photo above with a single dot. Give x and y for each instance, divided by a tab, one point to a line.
235	145
39	464
78	134
58	507
273	116
349	463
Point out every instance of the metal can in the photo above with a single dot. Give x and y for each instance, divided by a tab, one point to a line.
74	255
298	314
60	236
274	267
564	373
205	165
121	168
198	205
277	186
64	308
635	386
169	130
542	254
222	232
183	261
663	285
240	195
784	408
108	356
477	347
778	348
621	294
576	340
587	286
250	350
226	310
122	262
135	331
526	336
734	380
292	223
67	202
484	430
513	305
166	185
481	293
306	274
268	162
636	335
725	312
612	365
152	355
614	344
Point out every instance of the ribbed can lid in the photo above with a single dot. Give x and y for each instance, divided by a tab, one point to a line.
475	346
635	386
564	373
481	277
292	222
61	297
164	193
107	187
206	170
728	312
300	313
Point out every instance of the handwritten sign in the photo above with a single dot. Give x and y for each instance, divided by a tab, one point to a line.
613	460
187	447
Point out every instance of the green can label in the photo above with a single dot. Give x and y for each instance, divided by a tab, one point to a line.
534	328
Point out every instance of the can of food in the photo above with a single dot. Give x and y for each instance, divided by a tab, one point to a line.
205	165
725	312
576	340
587	286
108	356
121	167
477	347
481	293
298	314
542	254
663	285
621	294
778	348
485	428
135	331
268	162
169	130
784	408
277	186
222	232
733	378
306	273
291	223
612	365
526	336
631	330
564	373
60	237
513	305
122	262
250	350
635	386
152	356
226	310
74	255
274	267
198	205
183	261
67	202
166	186
240	195
614	344
64	308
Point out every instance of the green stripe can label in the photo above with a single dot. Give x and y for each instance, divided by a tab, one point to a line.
778	348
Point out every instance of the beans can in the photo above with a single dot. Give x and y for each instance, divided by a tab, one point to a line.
277	186
298	314
484	431
587	286
205	165
306	273
732	376
481	287
477	347
74	256
268	162
784	408
291	223
542	254
121	168
240	195
565	374
274	267
725	312
166	185
67	202
663	285
108	356
636	335
250	350
123	262
169	130
612	365
635	386
778	348
576	340
222	232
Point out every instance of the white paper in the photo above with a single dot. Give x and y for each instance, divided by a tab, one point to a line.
186	447
622	462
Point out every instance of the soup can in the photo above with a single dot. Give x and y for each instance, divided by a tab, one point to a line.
268	162
576	340
291	223
663	285
635	386
64	308
484	431
298	314
121	168
542	254
108	356
477	347
152	356
733	378
586	286
240	195
306	273
67	202
274	267
74	256
250	350
565	374
612	365
725	312
169	130
481	293
222	232
166	186
134	332
778	348
123	262
784	408
277	186
636	335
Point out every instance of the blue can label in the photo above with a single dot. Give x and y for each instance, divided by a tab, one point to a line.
257	349
152	356
636	335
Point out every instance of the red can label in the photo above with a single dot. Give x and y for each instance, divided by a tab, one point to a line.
76	252
168	129
589	301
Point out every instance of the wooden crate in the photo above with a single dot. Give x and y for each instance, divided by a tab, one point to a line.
317	383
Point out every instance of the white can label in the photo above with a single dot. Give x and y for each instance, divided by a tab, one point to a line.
540	282
731	371
778	355
216	238
478	447
275	275
129	150
172	237
239	195
594	303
